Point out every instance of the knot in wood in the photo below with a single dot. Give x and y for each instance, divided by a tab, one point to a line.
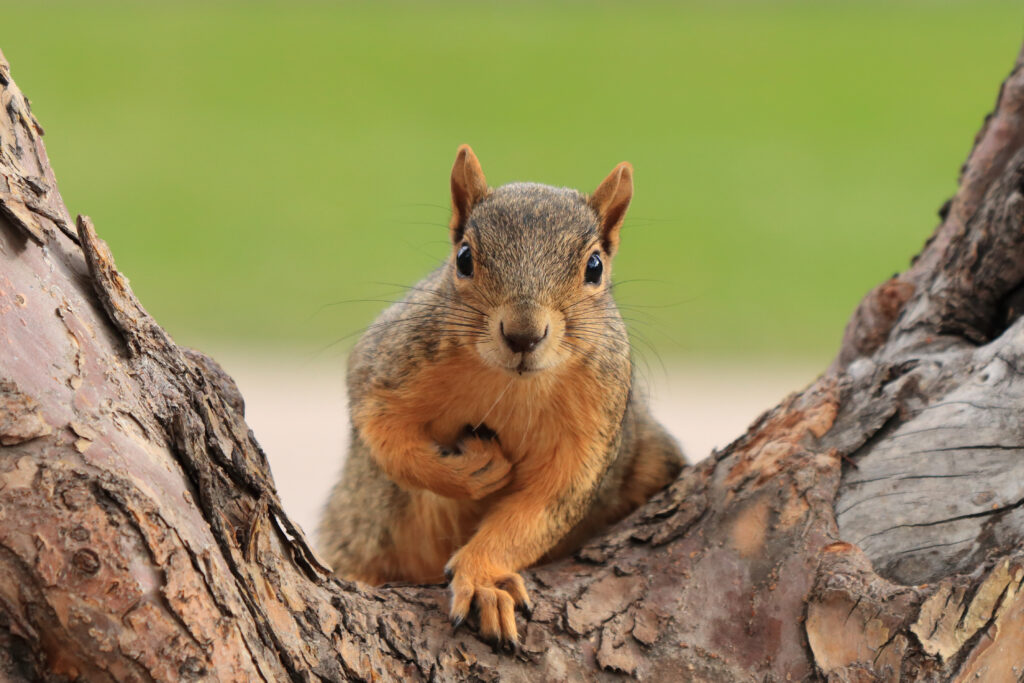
86	561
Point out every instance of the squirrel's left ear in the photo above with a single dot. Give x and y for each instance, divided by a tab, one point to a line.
468	187
610	201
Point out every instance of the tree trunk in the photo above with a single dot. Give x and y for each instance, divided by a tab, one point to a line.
869	527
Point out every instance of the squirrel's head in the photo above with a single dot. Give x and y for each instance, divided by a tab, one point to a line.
533	263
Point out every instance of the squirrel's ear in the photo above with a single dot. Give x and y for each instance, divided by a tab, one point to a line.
468	187
610	200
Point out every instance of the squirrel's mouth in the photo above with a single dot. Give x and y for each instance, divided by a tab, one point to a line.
524	368
532	364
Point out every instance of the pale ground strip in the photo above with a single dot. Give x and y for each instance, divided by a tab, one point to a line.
298	412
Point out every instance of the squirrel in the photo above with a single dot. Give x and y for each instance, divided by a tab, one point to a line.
494	421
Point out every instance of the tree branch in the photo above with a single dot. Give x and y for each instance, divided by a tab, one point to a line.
142	536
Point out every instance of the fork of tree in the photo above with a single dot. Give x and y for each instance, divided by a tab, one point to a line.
868	527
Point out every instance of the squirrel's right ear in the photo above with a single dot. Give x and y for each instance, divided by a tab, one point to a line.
468	187
610	201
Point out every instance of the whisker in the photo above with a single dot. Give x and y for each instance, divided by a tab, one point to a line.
430	224
484	418
439	293
583	300
526	431
428	205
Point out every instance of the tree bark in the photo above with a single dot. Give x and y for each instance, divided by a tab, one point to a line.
868	528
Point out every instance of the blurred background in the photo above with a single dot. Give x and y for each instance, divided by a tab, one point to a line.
269	174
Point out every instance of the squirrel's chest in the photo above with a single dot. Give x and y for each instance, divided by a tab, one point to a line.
543	413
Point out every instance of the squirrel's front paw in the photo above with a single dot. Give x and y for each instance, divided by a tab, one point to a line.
477	469
495	593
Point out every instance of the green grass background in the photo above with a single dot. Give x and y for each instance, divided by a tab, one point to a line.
253	165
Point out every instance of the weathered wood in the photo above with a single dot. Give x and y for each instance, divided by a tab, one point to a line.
941	485
869	527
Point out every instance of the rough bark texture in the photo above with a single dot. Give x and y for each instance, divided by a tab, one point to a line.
867	528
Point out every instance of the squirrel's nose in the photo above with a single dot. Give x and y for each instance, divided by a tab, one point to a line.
522	342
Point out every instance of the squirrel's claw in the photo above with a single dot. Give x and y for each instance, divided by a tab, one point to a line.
514	585
495	602
506	645
461	603
481	431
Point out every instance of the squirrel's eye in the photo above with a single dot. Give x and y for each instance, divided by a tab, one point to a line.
594	269
464	261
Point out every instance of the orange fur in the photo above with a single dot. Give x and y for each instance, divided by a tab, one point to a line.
544	422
